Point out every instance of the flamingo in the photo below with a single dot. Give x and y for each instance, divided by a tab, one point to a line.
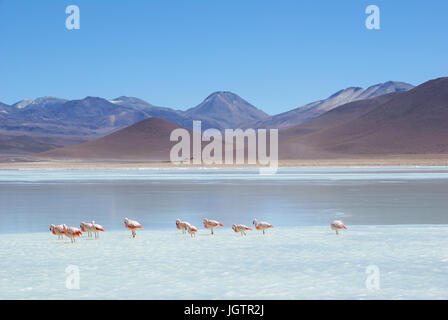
262	225
211	224
192	230
97	228
87	227
72	233
132	225
182	225
57	230
337	225
178	226
241	228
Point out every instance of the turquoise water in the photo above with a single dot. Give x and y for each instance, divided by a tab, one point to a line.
287	263
397	219
32	200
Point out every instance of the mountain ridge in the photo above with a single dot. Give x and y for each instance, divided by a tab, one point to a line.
71	121
408	122
314	109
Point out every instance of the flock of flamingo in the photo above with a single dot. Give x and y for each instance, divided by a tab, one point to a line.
132	225
212	224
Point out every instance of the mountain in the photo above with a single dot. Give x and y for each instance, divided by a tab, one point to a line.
5	110
150	110
19	144
93	117
411	122
36	125
65	122
384	88
42	102
89	117
225	110
315	109
72	121
146	140
3	105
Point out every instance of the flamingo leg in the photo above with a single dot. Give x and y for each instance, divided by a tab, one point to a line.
212	231
263	231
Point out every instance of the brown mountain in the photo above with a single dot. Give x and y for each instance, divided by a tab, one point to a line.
412	122
17	144
312	110
146	140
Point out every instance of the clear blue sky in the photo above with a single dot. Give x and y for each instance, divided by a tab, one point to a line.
278	54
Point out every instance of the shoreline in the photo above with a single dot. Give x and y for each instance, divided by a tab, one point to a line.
374	161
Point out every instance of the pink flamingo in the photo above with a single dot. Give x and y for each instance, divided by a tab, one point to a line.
178	225
211	224
241	228
192	230
182	225
87	227
337	225
262	225
57	230
132	225
97	228
72	233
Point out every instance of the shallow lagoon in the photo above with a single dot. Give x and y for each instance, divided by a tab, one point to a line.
397	220
288	263
30	200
